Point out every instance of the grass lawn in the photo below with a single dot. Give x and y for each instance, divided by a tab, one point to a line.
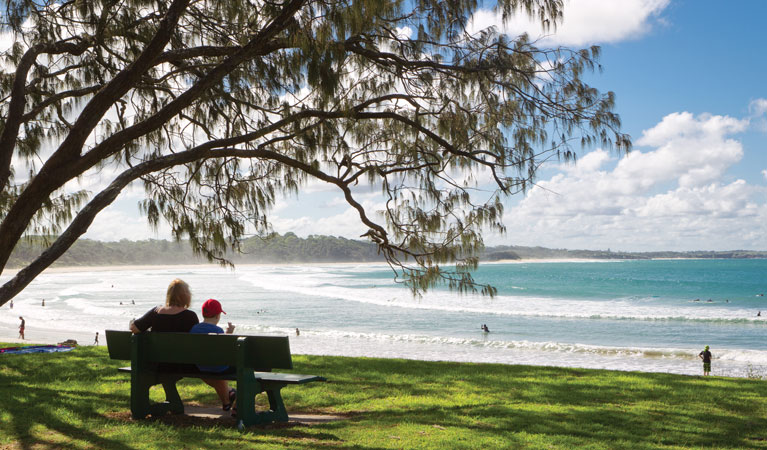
78	400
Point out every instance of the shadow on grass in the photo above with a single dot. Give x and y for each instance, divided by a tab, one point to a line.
51	416
78	399
292	429
638	409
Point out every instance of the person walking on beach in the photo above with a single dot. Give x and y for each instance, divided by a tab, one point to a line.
96	341
705	355
21	328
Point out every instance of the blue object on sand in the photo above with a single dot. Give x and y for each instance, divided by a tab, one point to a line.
35	349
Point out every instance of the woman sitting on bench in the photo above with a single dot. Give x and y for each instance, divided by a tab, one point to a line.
175	316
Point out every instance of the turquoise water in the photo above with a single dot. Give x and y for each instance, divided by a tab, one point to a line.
666	280
627	315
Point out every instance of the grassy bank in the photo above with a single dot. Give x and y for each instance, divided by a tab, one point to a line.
78	400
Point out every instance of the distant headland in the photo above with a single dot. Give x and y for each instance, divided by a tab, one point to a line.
289	248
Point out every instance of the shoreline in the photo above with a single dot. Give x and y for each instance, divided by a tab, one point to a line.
86	268
37	335
51	339
118	267
280	298
47	336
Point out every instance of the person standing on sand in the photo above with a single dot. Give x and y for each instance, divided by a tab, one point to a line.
705	355
21	328
96	341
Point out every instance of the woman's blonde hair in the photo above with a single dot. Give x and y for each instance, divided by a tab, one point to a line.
178	294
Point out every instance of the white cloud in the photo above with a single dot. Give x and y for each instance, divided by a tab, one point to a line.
584	22
122	220
694	150
758	107
672	196
672	192
758	110
404	32
346	223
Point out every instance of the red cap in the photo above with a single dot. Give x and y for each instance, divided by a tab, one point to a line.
211	308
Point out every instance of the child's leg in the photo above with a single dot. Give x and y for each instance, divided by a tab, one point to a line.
222	389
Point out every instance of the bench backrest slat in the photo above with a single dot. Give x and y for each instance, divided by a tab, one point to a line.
118	344
262	352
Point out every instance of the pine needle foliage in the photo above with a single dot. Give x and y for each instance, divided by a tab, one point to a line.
220	107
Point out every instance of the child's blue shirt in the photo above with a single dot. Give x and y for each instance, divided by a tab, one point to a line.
205	328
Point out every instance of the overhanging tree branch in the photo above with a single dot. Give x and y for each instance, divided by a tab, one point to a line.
279	93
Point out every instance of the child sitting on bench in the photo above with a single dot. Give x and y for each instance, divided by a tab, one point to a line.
211	313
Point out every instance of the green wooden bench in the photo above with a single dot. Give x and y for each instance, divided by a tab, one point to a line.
253	356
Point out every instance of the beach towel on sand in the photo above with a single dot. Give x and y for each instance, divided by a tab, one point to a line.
35	349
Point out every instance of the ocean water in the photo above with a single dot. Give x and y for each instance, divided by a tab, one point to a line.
652	316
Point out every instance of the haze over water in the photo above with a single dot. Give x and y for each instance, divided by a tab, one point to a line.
627	315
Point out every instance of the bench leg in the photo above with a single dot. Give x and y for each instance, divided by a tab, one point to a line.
141	406
139	395
172	399
246	402
249	416
277	405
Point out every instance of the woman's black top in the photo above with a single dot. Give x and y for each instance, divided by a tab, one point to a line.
180	322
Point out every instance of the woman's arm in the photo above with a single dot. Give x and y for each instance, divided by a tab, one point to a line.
144	322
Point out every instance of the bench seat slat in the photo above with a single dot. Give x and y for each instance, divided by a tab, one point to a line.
270	377
287	378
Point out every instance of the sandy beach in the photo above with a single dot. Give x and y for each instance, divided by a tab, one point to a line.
40	335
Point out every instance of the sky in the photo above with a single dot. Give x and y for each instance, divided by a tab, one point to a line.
689	78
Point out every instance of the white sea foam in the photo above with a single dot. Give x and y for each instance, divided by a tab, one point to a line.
545	349
383	292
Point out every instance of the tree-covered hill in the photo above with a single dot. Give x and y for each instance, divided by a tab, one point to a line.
289	248
273	249
519	252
